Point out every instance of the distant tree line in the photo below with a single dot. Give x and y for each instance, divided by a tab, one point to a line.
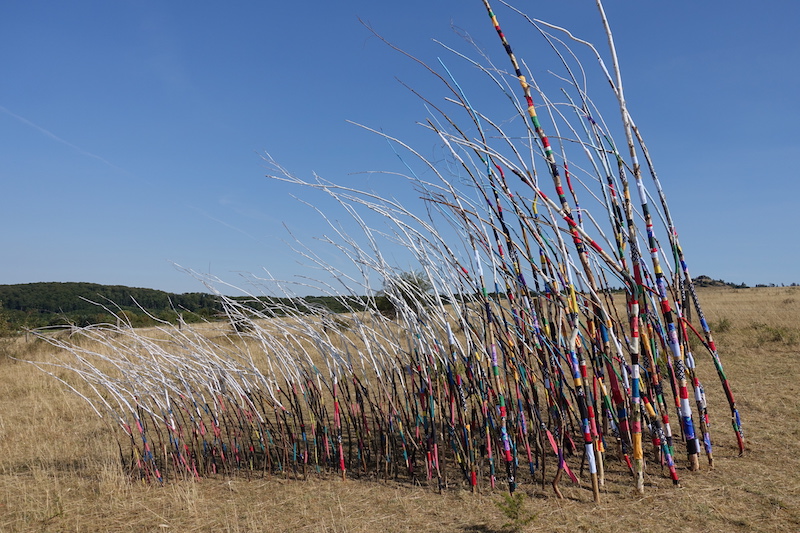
36	305
705	281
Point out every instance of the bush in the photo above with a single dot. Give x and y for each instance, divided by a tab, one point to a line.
723	326
410	287
512	506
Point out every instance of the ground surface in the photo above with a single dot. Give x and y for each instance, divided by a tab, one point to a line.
59	469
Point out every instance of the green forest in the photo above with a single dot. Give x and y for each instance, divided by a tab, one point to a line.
35	305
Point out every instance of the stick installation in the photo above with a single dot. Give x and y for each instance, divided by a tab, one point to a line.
546	330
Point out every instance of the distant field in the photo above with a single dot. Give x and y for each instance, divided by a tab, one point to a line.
59	463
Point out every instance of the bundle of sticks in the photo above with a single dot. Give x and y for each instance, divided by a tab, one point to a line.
537	335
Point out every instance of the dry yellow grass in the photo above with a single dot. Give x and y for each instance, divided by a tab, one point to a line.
59	467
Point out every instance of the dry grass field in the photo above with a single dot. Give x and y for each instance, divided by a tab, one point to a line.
59	463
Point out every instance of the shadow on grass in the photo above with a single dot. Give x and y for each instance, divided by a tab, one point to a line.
482	528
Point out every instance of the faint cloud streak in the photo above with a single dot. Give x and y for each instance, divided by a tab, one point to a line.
59	139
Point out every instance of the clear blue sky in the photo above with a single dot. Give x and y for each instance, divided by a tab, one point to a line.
131	131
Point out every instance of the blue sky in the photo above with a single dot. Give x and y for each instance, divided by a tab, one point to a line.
131	133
